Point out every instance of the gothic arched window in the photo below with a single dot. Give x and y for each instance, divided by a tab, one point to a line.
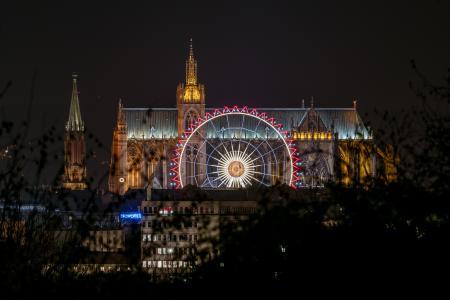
190	119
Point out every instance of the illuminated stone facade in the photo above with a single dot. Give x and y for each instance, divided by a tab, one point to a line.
74	145
145	140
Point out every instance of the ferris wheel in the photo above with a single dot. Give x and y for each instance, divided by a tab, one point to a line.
234	148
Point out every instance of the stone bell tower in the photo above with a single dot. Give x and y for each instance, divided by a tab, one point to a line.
74	145
191	106
190	95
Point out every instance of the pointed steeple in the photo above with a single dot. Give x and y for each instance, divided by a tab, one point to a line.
121	120
191	67
118	171
190	94
74	145
75	123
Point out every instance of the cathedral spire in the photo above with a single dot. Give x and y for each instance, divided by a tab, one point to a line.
75	123
191	49
74	145
191	67
190	95
121	121
118	171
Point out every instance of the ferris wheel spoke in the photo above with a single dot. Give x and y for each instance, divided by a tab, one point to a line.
270	152
200	162
246	180
267	164
228	121
206	141
254	178
256	172
204	164
223	182
246	147
215	129
214	180
209	155
256	148
226	150
257	125
242	124
214	172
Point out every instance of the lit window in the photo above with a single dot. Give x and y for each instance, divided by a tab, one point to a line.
166	211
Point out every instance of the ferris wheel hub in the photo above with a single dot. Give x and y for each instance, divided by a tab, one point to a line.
236	168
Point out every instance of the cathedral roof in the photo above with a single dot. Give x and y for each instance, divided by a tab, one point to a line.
346	121
161	123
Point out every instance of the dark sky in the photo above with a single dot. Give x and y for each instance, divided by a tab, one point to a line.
264	53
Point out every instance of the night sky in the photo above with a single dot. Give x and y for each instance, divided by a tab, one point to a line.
263	54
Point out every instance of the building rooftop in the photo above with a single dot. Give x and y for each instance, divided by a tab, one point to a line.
161	123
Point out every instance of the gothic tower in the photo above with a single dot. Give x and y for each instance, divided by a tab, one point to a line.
191	106
74	145
118	169
190	95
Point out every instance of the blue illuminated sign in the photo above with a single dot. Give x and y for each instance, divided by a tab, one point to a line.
130	216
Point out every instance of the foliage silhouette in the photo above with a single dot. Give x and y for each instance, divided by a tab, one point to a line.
371	234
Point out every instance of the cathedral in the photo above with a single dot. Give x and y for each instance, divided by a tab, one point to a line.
225	148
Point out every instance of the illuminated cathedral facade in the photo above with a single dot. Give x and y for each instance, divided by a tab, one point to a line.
230	147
